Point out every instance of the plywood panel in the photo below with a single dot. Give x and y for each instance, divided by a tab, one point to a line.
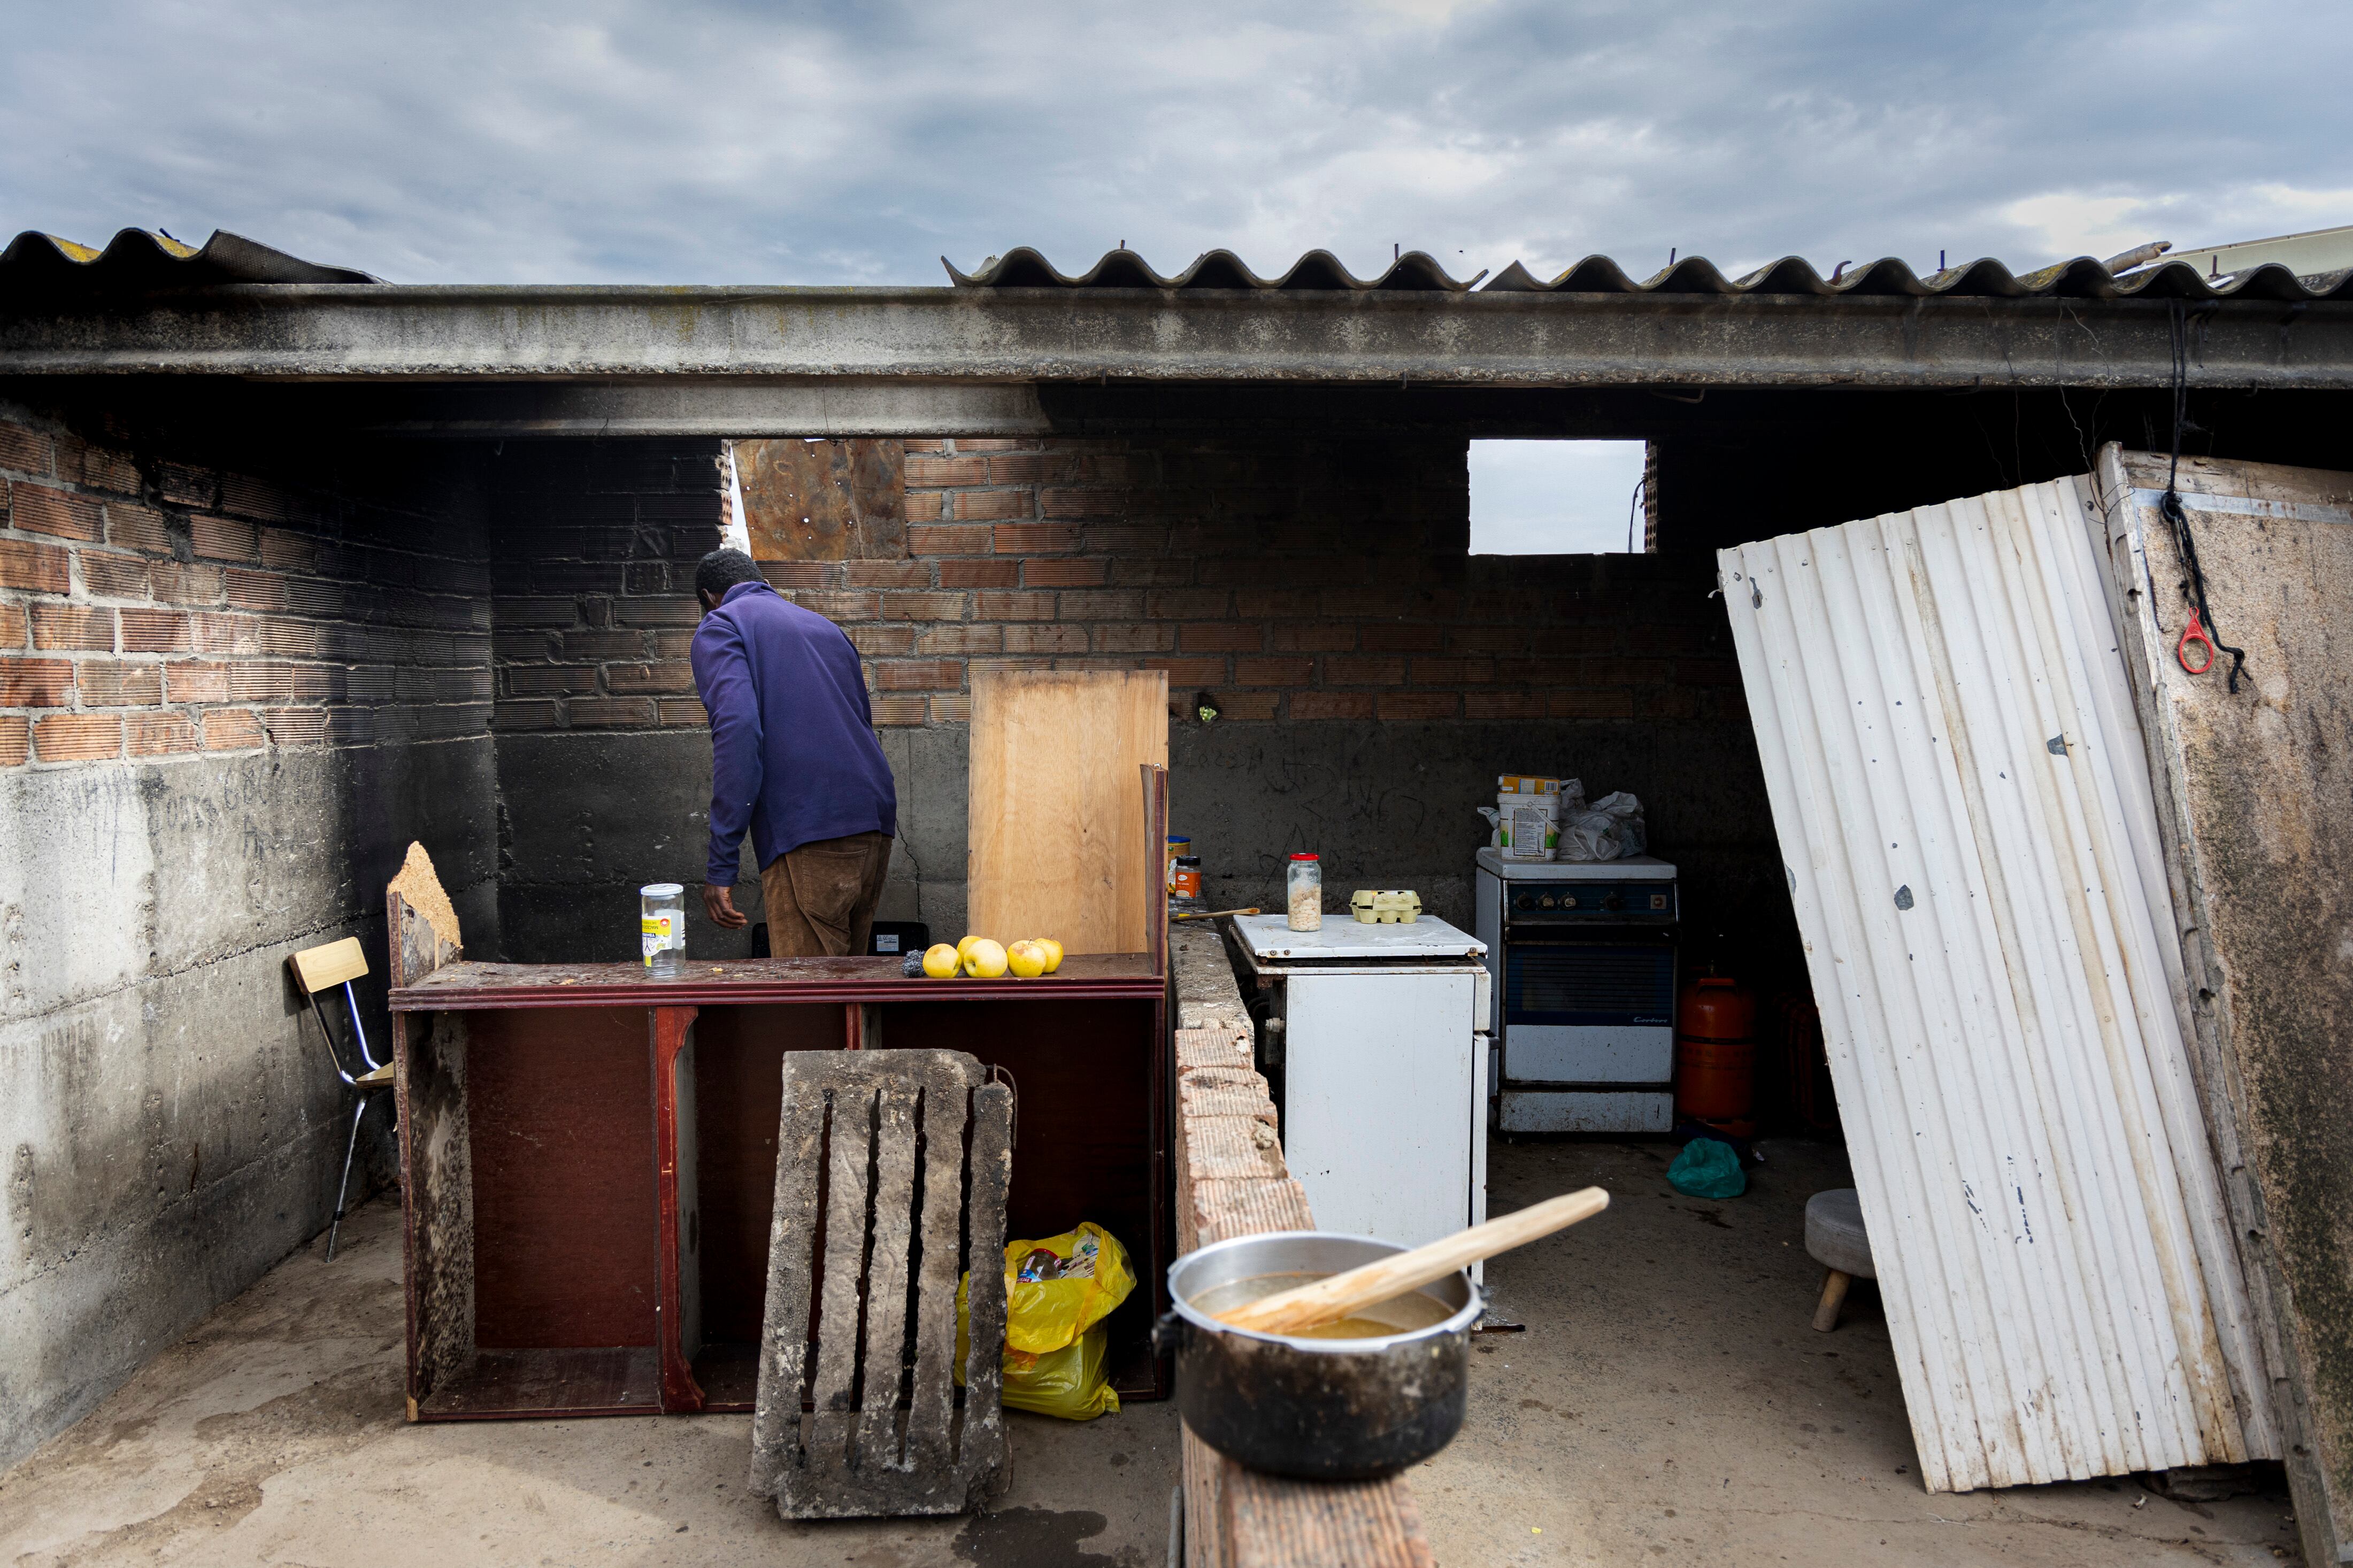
825	500
1060	843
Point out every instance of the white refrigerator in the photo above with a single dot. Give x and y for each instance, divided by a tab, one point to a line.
1380	1033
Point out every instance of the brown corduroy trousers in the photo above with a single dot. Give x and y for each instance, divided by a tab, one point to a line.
821	896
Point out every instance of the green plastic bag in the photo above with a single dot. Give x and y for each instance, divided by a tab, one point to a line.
1707	1168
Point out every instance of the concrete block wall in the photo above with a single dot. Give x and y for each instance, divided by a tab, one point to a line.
604	758
232	690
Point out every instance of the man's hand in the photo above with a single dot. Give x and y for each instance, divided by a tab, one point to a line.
719	903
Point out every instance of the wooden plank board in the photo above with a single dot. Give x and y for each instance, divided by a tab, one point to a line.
2249	792
1059	839
745	982
1155	846
436	1184
331	964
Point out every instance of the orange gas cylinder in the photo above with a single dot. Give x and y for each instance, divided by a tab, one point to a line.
1715	1054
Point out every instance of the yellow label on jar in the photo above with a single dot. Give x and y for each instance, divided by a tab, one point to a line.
653	936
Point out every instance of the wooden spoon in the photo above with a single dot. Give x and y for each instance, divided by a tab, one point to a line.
1329	1300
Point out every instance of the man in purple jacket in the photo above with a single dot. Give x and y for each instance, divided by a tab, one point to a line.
793	757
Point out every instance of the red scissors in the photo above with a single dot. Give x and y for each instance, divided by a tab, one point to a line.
2194	632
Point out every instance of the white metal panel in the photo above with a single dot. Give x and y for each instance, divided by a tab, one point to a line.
1487	921
1588	1053
1962	800
1380	1100
1342	936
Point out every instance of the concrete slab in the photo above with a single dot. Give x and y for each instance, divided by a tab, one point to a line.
1669	1402
273	1433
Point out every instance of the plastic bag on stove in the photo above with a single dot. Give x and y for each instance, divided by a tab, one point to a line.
1611	830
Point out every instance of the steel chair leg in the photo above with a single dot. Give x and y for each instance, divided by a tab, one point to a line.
349	1147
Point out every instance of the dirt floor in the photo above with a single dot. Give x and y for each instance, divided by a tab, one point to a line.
1668	1401
1671	1403
274	1435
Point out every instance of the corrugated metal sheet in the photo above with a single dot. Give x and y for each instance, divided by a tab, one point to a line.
136	261
1962	800
1024	267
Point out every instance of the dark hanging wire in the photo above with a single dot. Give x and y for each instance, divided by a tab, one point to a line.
2184	547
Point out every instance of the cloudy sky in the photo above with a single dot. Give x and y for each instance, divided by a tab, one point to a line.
698	141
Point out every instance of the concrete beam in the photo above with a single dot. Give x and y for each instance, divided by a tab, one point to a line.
608	334
701	406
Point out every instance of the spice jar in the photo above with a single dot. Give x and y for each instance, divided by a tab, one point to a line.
1305	887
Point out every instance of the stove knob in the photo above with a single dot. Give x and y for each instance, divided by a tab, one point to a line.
1544	903
1524	901
1611	902
1568	903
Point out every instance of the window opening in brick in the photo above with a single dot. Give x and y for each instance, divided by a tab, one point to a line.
1559	498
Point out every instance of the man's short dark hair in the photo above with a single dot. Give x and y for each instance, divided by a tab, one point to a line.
722	570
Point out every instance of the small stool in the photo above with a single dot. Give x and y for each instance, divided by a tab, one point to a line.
1834	1237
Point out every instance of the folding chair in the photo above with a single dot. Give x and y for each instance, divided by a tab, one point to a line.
321	969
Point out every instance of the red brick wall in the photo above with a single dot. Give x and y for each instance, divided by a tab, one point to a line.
157	609
1297	581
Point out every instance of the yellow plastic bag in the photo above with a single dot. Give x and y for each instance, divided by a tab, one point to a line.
1058	1288
1068	1382
1057	1293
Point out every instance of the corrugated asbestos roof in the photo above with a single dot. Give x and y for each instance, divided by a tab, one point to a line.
1023	267
1964	810
2082	278
136	261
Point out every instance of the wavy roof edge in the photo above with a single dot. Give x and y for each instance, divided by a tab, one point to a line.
136	259
2082	278
1025	267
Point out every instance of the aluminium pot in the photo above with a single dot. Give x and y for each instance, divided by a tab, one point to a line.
1321	1410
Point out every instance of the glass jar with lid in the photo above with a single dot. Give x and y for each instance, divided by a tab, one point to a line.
1304	886
661	929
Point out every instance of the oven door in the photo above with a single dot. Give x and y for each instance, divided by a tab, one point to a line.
1592	1007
